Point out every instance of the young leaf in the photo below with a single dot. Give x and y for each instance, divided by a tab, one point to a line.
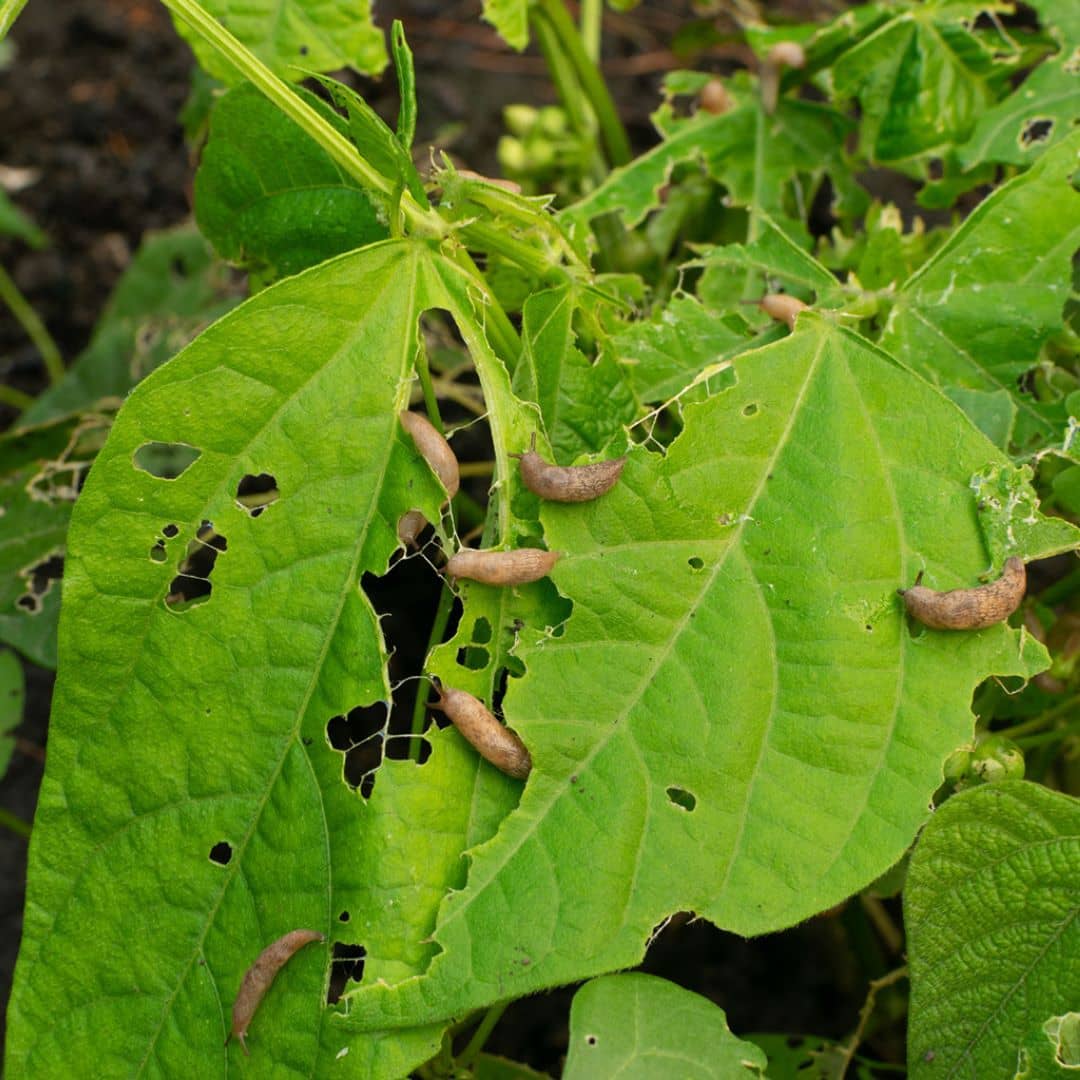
976	315
993	932
406	78
1041	111
194	808
289	35
650	1029
13	222
733	641
269	198
511	19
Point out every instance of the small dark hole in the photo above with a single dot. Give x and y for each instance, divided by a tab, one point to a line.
1036	131
750	410
695	563
344	917
590	1040
304	50
256	493
1025	382
681	797
221	853
157	552
29	602
346	962
935	168
481	631
404	747
170	531
192	582
360	735
39	580
166	461
473	658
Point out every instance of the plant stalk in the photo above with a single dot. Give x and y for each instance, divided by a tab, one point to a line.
16	399
35	329
438	628
14	823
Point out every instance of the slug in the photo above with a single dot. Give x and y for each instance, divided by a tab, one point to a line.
259	977
787	54
435	450
494	741
567	483
714	97
783	54
502	567
781	307
969	609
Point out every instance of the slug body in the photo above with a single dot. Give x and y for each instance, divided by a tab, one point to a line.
493	741
782	308
969	609
434	449
259	977
714	97
502	567
568	483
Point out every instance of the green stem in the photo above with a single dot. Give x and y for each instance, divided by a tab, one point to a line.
612	132
1037	723
431	400
34	327
438	628
480	1036
592	17
15	398
563	76
1047	738
16	824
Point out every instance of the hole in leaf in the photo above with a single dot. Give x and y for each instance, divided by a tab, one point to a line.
344	917
1035	131
158	553
1025	382
473	658
346	962
39	579
255	493
221	853
681	797
481	631
750	410
695	563
404	747
166	461
191	586
591	1040
359	735
170	531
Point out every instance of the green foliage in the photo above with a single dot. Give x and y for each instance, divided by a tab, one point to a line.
12	696
727	708
644	1028
13	222
993	935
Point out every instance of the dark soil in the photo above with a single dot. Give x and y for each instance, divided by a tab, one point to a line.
90	104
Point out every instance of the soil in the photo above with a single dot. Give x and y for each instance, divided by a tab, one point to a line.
90	107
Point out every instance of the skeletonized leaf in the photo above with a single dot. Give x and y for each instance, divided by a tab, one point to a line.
993	928
644	1028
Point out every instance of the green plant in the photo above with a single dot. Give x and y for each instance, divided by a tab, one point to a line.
726	708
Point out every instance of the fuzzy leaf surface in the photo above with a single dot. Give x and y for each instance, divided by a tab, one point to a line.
976	315
287	35
176	730
269	198
736	636
992	909
645	1028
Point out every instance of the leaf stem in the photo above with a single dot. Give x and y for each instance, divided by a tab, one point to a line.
35	329
1037	723
15	398
592	18
14	823
848	1052
480	1035
616	142
438	628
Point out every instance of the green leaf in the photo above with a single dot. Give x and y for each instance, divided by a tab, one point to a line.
644	1028
993	932
755	155
977	314
584	404
922	79
269	198
736	636
177	729
406	77
13	222
171	290
511	19
491	1067
9	12
1042	110
290	35
12	697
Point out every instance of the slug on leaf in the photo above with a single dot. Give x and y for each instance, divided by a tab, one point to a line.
567	483
969	609
258	978
494	741
516	567
435	450
781	307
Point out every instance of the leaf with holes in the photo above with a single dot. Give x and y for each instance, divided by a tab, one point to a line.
194	808
736	637
647	1028
1043	109
993	922
267	197
977	314
294	36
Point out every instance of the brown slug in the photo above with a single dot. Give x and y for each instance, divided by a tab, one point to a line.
494	741
567	483
968	609
517	567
